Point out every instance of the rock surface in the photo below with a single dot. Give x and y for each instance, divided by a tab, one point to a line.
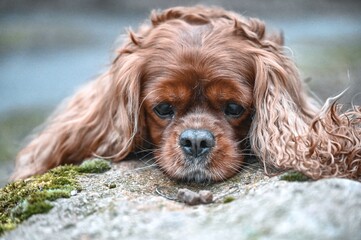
123	204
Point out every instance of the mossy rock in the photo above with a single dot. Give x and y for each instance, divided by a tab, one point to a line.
94	166
228	199
294	177
21	199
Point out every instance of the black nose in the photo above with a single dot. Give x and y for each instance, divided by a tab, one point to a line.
196	142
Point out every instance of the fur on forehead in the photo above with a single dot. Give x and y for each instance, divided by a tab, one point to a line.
210	50
190	62
184	90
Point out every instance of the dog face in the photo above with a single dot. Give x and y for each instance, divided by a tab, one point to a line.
198	109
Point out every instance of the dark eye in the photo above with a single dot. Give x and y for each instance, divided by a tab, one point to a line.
164	110
233	110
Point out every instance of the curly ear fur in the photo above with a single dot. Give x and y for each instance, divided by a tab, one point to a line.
291	131
101	119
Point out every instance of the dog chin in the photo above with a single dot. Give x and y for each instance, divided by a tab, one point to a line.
196	175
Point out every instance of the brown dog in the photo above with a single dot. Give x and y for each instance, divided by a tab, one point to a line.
201	85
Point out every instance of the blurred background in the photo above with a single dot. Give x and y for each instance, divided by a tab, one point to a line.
50	48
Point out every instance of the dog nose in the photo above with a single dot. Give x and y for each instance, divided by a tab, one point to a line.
196	142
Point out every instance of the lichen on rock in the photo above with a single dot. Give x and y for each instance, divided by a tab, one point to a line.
21	199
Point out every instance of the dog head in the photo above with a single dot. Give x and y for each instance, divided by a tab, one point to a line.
196	81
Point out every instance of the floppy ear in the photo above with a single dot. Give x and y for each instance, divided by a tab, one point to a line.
290	130
101	119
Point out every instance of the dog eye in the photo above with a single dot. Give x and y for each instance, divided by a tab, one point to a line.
164	110
233	110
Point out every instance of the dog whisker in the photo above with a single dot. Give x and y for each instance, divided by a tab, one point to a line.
143	168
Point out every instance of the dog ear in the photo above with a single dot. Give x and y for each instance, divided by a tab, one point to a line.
101	119
290	130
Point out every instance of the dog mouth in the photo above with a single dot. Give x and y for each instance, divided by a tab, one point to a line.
199	156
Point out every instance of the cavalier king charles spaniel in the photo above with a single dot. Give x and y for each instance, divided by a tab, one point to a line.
202	88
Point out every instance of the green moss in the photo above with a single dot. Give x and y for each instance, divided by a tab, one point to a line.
294	177
94	166
21	199
228	199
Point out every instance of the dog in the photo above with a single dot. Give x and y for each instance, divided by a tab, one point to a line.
201	87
